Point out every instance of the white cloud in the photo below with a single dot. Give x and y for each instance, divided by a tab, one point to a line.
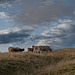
62	35
7	31
65	21
64	26
15	29
3	15
11	45
74	12
4	32
27	28
44	42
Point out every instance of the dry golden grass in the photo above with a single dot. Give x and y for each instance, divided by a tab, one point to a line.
68	58
57	62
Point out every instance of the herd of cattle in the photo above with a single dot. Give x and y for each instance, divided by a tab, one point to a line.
34	49
12	49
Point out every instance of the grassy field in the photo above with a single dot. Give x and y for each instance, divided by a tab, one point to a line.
57	62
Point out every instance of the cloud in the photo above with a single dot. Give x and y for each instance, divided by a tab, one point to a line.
3	15
14	35
30	13
44	11
38	12
60	36
16	29
5	1
11	45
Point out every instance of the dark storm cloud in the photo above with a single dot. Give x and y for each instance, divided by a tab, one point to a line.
29	12
44	11
14	37
39	12
5	1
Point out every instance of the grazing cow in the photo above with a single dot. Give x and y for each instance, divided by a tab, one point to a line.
12	49
41	48
37	51
30	49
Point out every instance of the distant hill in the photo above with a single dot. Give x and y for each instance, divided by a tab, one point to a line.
57	62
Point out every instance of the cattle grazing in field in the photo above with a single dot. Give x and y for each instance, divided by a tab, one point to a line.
39	49
12	49
30	49
42	48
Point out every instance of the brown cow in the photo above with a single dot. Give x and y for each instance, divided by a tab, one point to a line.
12	49
41	48
30	49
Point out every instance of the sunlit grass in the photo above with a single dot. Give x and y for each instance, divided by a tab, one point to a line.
57	62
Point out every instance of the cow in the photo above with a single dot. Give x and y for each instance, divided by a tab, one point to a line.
30	49
40	49
12	49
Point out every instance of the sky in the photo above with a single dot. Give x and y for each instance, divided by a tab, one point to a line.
24	23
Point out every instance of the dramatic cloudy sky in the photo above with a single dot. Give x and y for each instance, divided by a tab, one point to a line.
24	23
